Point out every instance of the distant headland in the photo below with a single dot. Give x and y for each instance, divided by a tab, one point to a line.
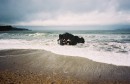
11	28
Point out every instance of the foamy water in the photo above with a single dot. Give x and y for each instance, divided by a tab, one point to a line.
110	49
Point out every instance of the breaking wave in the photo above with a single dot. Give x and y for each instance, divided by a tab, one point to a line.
106	48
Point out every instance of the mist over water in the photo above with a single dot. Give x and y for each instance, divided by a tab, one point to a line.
107	46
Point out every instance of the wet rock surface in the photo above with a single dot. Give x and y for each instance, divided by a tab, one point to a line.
69	39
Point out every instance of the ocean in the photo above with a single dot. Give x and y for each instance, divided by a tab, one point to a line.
106	46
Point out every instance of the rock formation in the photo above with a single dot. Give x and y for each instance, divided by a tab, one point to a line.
69	39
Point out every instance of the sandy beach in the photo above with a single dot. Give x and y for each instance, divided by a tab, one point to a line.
24	66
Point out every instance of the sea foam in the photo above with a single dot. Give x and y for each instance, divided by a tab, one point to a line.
88	51
106	48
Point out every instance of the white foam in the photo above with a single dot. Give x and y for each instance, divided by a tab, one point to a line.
104	57
86	52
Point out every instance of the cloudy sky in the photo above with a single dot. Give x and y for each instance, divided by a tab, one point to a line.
64	12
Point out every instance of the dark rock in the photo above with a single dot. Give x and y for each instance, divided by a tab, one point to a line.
69	39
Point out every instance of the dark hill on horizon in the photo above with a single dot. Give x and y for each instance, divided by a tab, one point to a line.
11	28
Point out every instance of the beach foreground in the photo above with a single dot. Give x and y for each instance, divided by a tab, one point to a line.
24	66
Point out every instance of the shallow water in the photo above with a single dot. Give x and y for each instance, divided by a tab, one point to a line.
112	47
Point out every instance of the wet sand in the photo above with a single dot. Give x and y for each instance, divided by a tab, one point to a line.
24	66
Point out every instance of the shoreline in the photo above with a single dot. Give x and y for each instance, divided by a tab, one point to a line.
41	64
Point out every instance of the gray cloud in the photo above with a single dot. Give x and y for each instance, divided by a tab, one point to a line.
124	5
13	11
18	10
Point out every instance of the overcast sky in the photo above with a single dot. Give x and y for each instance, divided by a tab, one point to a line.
64	12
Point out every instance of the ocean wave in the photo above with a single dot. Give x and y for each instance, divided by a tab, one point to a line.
111	49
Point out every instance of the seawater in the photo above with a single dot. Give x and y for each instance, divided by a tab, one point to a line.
107	46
